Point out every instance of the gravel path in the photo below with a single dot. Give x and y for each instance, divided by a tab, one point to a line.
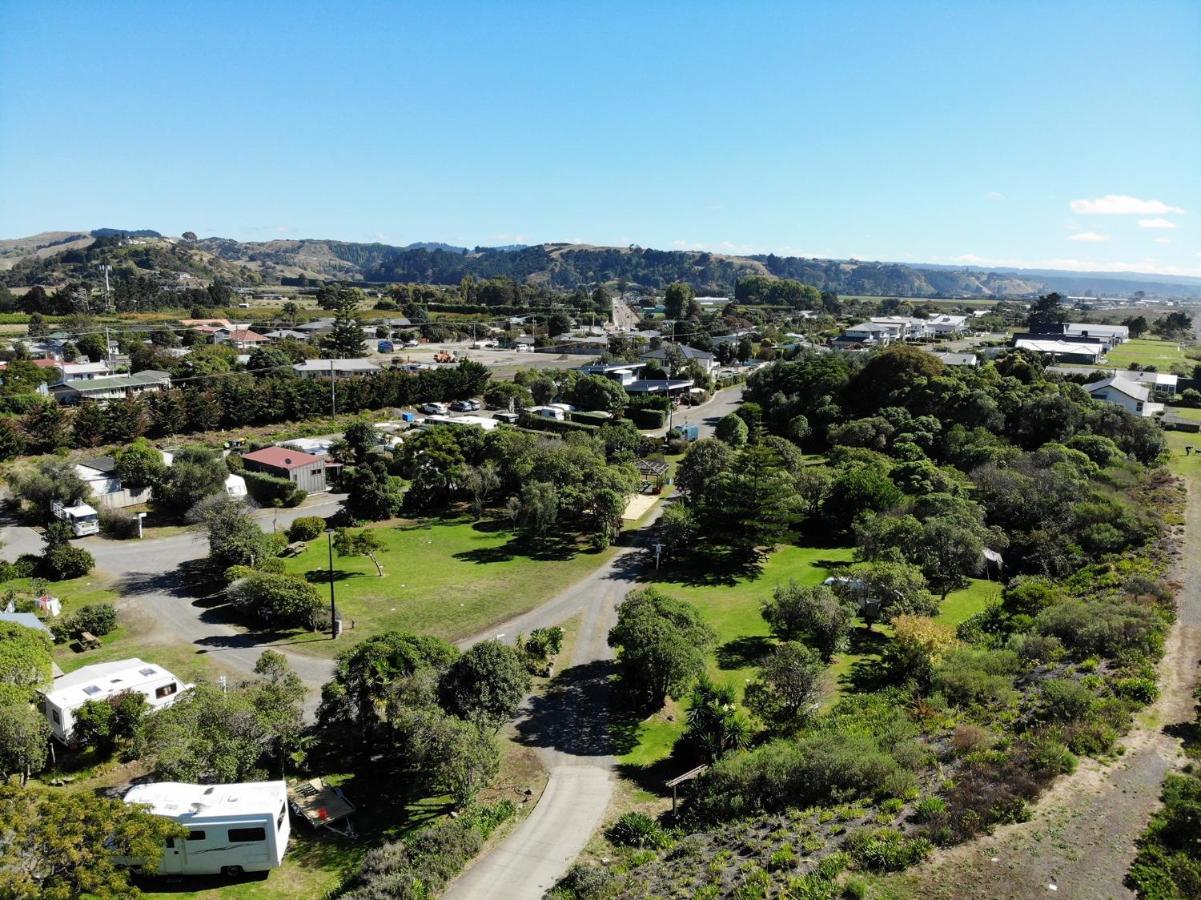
1080	841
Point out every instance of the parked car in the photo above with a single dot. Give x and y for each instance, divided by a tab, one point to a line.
434	409
461	406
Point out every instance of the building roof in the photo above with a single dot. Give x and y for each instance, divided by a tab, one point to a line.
100	463
655	385
29	620
101	680
1053	346
281	333
118	382
947	319
176	800
685	351
83	368
1097	328
215	323
245	335
281	457
1131	389
868	326
320	366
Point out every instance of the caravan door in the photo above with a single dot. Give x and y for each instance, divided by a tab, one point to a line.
174	857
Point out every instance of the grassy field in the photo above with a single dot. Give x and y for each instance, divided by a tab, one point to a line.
743	636
1146	352
451	579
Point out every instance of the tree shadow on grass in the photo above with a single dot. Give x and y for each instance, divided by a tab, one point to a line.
551	548
321	576
871	673
743	651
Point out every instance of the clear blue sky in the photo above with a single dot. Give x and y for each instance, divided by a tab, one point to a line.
941	132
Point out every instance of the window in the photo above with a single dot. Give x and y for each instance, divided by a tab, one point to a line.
56	717
195	835
279	820
242	835
166	690
146	671
91	690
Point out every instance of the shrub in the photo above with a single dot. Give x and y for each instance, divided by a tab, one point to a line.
65	561
117	524
647	419
587	883
278	600
886	849
970	676
929	809
1107	627
1140	690
306	528
270	490
1063	700
24	567
98	618
635	829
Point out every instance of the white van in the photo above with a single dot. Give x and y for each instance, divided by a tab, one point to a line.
232	828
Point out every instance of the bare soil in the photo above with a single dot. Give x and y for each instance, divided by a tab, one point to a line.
1080	839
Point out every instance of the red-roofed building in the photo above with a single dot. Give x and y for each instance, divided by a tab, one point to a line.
303	469
241	338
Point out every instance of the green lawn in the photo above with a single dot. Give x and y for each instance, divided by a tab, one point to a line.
1146	352
732	611
1186	412
451	579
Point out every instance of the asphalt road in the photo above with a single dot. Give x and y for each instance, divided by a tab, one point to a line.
569	725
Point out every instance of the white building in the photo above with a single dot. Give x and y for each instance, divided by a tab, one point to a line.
622	373
324	368
947	324
904	328
1063	351
1125	393
872	333
1112	335
105	680
232	828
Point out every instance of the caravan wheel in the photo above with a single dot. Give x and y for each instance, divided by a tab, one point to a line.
231	870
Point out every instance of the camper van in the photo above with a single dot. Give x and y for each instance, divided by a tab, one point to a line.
232	828
82	518
104	680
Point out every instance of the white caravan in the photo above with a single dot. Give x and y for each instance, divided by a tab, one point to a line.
232	828
104	680
82	518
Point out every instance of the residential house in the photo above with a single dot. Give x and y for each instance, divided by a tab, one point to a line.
240	338
703	358
100	475
282	334
303	469
1156	381
114	387
317	326
1125	393
622	373
905	328
944	324
326	368
84	371
1062	351
868	334
1112	335
669	386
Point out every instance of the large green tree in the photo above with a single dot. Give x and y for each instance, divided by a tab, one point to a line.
661	645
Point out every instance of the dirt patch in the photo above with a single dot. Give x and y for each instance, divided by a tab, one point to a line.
1080	840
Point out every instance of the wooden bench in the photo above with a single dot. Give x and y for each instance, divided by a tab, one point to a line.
88	641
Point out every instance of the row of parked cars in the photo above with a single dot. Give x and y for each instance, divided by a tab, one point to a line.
440	409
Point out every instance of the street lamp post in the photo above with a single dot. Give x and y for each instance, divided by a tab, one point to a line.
333	612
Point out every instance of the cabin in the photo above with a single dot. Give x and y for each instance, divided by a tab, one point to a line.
303	469
114	387
101	682
1125	393
232	828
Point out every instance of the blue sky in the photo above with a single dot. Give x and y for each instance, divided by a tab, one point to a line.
989	133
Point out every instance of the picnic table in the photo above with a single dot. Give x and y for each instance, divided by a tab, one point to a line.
88	641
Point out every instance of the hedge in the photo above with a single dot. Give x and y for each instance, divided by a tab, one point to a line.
648	418
542	423
267	489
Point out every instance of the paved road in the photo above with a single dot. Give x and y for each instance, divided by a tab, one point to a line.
569	726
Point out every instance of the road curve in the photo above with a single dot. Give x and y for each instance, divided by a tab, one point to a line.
569	726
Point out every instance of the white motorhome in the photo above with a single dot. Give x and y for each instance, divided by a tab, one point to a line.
82	518
232	828
104	680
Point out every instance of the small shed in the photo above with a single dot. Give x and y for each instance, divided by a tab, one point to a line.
653	472
303	469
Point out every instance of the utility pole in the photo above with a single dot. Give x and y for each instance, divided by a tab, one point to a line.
333	611
333	402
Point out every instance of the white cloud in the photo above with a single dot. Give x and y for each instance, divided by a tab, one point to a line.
994	195
1156	223
1089	236
1122	205
1163	240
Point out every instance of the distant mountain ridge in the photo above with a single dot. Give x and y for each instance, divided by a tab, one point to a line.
54	257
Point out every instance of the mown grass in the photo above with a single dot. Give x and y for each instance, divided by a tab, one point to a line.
1146	352
448	578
